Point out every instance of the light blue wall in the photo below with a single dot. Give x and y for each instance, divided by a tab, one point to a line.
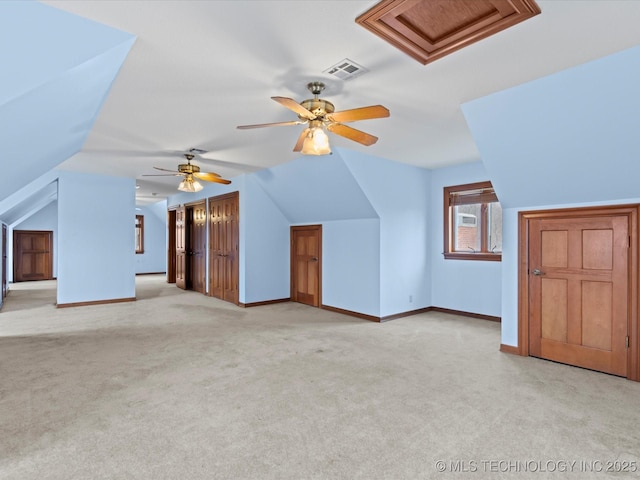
465	285
96	255
374	214
316	189
566	140
154	258
399	194
351	265
319	190
266	246
44	219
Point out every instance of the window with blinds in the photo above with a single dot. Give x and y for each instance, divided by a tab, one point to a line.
472	222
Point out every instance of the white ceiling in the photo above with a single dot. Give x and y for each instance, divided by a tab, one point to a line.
200	68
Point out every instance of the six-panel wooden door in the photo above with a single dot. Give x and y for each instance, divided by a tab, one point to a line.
579	290
224	239
306	273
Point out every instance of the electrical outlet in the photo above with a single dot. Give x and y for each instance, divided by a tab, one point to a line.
410	298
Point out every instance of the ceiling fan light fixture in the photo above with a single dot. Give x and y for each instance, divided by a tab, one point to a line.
189	185
316	142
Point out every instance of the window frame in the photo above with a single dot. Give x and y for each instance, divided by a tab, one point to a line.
449	251
139	225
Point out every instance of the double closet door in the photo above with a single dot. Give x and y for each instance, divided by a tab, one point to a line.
221	222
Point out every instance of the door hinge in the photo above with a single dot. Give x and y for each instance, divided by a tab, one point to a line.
627	341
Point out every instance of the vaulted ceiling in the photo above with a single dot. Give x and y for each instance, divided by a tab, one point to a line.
194	70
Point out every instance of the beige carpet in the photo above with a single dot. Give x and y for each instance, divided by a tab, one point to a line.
181	386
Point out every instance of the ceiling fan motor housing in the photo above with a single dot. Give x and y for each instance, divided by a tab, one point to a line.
188	168
318	107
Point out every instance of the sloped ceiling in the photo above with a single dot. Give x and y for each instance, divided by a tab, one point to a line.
61	69
571	137
30	205
200	68
316	189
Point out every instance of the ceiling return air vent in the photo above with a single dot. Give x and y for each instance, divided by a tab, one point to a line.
346	70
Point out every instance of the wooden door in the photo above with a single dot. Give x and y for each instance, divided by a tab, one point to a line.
181	248
4	260
224	239
32	255
171	246
579	291
306	264
196	247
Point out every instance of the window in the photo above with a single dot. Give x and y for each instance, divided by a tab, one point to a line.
139	233
472	222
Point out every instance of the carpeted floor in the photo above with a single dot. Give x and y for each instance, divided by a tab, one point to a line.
181	386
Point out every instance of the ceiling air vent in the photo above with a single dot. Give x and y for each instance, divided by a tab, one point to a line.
346	70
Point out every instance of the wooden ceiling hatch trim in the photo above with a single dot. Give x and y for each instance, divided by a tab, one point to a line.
431	29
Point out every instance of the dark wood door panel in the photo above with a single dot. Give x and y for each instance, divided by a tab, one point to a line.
306	250
196	248
33	255
171	246
224	240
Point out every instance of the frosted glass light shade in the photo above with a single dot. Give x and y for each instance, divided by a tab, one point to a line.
316	143
189	185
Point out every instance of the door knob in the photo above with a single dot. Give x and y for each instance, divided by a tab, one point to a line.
314	259
537	272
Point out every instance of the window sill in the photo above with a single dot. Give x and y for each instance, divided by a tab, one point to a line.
491	257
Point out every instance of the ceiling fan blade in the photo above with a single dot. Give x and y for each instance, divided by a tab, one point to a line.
352	134
164	175
300	141
291	104
363	113
275	124
165	170
208	173
211	177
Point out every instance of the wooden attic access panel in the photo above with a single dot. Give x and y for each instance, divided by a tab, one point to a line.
430	29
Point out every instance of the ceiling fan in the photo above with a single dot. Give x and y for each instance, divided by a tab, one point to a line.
189	171
319	114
